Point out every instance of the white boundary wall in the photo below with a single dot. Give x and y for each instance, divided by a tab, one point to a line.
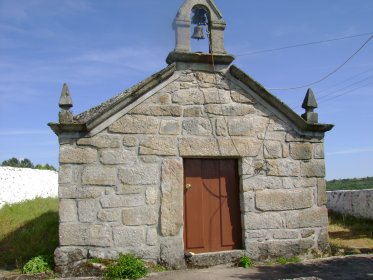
355	203
18	184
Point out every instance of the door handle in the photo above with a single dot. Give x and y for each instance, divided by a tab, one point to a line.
188	186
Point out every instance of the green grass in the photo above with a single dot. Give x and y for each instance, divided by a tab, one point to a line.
283	260
350	184
28	229
350	235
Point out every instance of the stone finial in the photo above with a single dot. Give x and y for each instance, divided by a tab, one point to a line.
309	104
65	115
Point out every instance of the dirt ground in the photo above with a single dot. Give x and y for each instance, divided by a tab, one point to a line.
357	267
343	268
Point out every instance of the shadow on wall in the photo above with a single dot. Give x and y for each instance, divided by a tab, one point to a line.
37	237
354	267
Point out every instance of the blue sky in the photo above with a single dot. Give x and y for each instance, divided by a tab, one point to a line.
101	48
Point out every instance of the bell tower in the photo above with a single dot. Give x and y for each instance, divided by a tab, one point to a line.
207	19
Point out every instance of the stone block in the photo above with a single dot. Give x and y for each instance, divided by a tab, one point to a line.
172	252
134	124
68	211
318	151
321	192
171	88
172	197
151	159
301	151
102	140
280	200
289	183
69	154
256	234
142	174
117	201
294	137
216	96
322	240
161	97
137	216
151	195
269	220
206	77
170	127
158	110
118	156
260	183
246	126
158	145
193	146
65	174
130	189
72	191
125	236
283	168
241	98
130	141
229	109
221	128
109	215
272	149
151	236
85	235
194	111
314	217
87	210
314	168
252	166
236	146
285	150
188	97
285	234
67	255
248	201
307	232
197	126
99	176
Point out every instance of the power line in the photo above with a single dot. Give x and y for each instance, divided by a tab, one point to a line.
346	80
304	44
345	93
330	74
346	87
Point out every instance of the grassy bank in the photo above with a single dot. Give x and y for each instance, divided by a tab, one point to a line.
27	229
350	184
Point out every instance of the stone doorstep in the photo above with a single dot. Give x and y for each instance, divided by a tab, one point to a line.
211	259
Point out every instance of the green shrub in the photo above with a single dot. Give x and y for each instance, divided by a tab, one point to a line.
38	264
127	267
245	262
159	268
283	260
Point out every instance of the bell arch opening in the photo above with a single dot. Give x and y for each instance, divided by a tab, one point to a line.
200	29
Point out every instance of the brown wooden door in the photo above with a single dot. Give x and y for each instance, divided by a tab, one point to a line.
212	219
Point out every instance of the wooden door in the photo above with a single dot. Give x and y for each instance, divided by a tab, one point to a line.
212	219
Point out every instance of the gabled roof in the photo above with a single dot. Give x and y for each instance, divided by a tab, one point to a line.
89	119
277	103
93	117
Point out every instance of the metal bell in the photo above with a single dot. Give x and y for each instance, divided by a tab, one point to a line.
198	33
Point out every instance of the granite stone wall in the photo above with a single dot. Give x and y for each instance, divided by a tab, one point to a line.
122	189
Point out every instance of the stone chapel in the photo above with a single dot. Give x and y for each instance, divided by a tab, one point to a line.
197	164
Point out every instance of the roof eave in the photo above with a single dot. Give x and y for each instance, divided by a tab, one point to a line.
59	128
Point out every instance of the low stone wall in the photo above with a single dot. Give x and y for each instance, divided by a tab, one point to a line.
18	184
355	203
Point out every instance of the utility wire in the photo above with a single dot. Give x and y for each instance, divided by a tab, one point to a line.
303	45
345	93
346	87
345	81
330	74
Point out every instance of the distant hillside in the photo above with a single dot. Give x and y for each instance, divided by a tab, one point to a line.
350	184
